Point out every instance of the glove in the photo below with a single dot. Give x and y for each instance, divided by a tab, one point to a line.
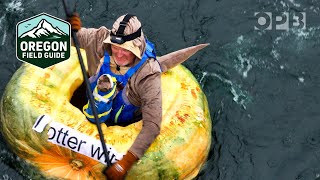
75	21
119	169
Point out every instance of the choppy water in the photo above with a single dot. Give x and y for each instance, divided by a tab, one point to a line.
262	86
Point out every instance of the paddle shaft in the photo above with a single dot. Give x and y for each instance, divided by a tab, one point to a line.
86	80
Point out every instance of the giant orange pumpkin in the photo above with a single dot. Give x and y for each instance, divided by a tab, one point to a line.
178	152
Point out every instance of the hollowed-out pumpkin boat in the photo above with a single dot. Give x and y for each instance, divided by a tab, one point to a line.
178	152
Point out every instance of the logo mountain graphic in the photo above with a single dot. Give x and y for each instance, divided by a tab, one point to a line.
45	30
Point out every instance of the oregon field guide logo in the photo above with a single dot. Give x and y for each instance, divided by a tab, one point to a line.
43	40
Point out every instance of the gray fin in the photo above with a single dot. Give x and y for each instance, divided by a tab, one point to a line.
171	60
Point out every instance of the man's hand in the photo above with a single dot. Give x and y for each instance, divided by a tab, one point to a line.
119	169
75	21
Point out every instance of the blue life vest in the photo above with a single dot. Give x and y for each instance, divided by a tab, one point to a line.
123	112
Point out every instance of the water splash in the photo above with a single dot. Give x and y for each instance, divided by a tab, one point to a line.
1	27
15	5
6	177
283	4
315	9
301	79
245	65
1	19
275	54
298	37
306	33
294	42
240	39
294	3
250	53
240	96
240	52
203	76
274	51
4	37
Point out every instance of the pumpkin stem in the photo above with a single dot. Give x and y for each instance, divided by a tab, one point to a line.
76	164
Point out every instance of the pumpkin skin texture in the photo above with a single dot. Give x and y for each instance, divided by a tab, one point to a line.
178	152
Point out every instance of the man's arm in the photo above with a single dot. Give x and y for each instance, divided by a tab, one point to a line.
91	40
149	89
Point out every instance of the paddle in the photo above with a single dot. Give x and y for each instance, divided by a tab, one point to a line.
86	80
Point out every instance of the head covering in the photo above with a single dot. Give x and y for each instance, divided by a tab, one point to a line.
109	79
136	46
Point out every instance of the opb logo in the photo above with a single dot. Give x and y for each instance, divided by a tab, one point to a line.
280	21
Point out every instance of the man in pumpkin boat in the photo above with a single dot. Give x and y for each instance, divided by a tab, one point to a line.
125	54
103	92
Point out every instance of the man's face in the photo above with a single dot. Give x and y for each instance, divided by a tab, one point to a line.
122	56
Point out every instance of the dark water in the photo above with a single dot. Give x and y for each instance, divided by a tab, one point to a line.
262	86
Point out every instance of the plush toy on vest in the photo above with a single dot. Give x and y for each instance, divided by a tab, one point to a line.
103	92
